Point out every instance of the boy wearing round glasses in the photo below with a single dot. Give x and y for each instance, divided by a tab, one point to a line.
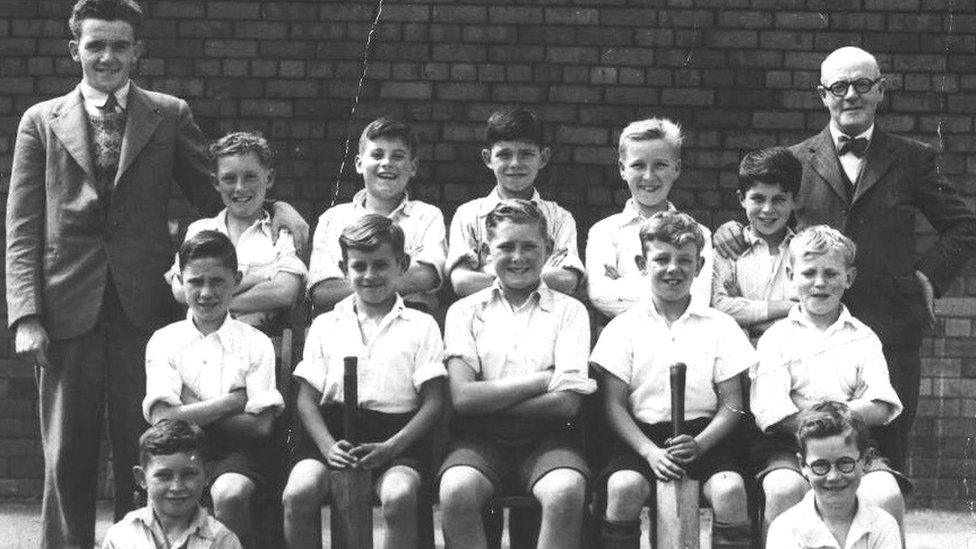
834	450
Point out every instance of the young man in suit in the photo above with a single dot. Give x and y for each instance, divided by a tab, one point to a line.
870	185
87	244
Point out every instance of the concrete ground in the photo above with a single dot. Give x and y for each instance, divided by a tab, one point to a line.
20	527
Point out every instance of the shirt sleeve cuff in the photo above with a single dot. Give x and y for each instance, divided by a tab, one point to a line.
311	372
260	402
774	414
427	372
468	257
572	381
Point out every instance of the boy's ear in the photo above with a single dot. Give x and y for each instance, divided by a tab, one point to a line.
484	250
701	264
851	275
140	476
343	266
404	261
359	164
414	165
741	197
803	468
486	157
544	155
789	270
620	167
641	263
238	277
73	50
271	178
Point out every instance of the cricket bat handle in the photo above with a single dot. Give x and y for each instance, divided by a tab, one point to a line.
350	394
678	372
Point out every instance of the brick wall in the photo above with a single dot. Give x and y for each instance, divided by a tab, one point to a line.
737	73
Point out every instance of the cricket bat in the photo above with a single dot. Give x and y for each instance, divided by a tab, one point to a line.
352	489
677	500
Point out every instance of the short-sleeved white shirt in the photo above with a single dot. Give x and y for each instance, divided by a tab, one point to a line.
800	527
405	351
424	240
800	365
639	347
496	340
234	356
615	241
468	232
140	530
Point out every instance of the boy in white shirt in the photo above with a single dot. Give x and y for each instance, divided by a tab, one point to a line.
401	385
387	160
272	275
516	356
834	451
649	163
820	352
754	288
219	373
636	350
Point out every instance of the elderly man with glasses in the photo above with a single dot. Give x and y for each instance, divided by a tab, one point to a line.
871	185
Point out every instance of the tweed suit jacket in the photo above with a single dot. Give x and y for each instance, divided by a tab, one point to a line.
65	234
899	180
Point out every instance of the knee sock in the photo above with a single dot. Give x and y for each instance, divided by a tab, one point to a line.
623	534
732	535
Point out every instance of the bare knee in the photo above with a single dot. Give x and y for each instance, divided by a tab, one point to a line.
561	491
726	491
398	495
232	491
880	489
464	490
627	491
783	488
306	489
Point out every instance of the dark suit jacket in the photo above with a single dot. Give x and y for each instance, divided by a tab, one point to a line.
899	179
62	240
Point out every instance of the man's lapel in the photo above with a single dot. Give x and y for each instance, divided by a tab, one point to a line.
70	124
878	160
824	161
142	117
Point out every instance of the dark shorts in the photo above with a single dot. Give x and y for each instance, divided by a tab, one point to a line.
513	453
373	427
725	456
772	452
251	457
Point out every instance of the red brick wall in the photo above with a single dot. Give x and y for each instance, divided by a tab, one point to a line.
738	74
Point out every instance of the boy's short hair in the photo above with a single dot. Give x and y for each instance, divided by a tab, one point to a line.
822	239
648	129
514	124
171	436
773	166
369	232
240	144
389	128
674	228
209	244
517	210
830	418
106	10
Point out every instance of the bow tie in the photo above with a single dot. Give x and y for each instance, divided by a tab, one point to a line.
855	146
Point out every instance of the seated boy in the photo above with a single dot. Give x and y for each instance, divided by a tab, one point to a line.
387	160
650	162
754	289
820	352
516	356
219	373
514	152
171	471
636	349
272	275
834	451
401	386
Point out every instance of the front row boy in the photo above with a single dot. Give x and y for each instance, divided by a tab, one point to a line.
834	456
636	350
820	352
401	385
517	357
171	471
218	373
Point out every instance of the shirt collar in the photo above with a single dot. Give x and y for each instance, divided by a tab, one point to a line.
693	310
220	333
843	320
753	239
347	308
96	98
814	531
835	134
200	524
631	213
489	202
359	202
542	295
263	223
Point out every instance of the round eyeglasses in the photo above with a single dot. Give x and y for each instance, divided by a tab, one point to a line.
861	85
821	467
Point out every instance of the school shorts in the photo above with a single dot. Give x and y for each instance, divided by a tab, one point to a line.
724	456
772	452
513	453
373	427
248	456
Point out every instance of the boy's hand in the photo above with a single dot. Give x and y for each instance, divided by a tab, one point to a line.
340	455
237	399
373	454
928	298
283	216
31	341
683	448
728	240
611	272
557	257
664	466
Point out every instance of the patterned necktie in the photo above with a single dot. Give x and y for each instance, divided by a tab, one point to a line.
111	104
855	146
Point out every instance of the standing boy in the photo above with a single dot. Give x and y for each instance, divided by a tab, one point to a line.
514	153
171	471
219	373
636	349
753	288
650	163
387	160
401	386
516	356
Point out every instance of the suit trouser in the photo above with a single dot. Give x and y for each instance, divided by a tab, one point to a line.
904	369
108	361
